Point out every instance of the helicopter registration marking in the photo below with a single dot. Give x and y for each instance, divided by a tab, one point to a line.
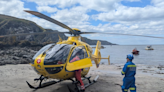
38	61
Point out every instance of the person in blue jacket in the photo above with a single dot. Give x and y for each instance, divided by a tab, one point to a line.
129	70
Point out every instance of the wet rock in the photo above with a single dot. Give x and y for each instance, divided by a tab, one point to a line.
2	52
26	56
160	67
16	58
16	55
160	73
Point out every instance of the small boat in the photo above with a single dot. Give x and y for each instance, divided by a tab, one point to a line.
149	48
135	51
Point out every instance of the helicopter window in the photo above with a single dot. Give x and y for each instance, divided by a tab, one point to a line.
57	55
85	53
54	50
74	43
54	70
78	54
42	50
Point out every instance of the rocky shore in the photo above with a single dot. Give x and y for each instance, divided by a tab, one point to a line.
17	55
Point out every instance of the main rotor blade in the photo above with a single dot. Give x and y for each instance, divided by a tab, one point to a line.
120	34
49	19
88	32
129	35
24	34
135	35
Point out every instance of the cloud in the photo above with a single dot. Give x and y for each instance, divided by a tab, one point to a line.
100	5
13	8
130	14
58	3
74	13
47	9
136	20
129	19
74	16
158	3
132	0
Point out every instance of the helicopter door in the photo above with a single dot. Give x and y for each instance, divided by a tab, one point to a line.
79	59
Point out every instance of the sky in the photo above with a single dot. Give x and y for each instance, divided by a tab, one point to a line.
137	17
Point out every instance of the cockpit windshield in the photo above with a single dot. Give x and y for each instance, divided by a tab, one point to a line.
57	54
42	50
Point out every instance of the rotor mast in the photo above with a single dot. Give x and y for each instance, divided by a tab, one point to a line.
74	38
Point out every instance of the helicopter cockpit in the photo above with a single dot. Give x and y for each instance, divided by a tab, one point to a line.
56	54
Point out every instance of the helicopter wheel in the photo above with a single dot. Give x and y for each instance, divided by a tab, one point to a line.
44	84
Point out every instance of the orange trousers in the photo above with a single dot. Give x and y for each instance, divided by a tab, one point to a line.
78	76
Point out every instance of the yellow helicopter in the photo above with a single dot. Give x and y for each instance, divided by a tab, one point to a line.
54	60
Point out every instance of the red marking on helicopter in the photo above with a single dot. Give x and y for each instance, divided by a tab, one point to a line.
38	61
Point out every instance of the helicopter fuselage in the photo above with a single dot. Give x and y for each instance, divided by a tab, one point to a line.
51	63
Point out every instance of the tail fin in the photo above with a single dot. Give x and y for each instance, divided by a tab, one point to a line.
97	55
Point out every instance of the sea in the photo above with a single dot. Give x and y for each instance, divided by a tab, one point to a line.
118	54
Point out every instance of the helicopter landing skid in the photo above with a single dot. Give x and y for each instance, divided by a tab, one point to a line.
77	89
44	84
